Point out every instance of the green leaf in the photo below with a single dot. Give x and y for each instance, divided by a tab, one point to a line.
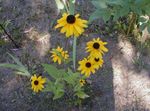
72	78
103	13
22	73
19	69
58	90
58	94
59	4
99	3
12	66
49	86
77	88
15	59
81	95
52	71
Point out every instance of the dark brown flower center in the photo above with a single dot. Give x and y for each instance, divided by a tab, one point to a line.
96	45
81	81
88	64
36	82
71	19
96	59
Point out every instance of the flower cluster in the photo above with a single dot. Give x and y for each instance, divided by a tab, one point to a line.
72	25
96	48
59	55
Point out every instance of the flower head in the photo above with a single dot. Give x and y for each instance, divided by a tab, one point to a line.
96	47
59	55
86	67
37	83
82	82
98	62
71	25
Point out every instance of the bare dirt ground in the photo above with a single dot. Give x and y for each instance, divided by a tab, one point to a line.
121	85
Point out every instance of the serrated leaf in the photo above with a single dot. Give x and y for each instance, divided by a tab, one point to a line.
58	90
71	78
52	71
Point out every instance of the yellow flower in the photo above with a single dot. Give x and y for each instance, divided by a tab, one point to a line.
86	67
71	25
82	82
37	83
98	62
59	55
96	47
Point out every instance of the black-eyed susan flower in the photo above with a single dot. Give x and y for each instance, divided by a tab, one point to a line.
98	62
96	47
71	25
59	55
37	83
86	67
82	82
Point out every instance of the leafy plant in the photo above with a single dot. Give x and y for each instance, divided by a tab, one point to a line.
116	9
62	80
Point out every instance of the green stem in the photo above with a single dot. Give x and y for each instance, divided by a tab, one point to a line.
74	52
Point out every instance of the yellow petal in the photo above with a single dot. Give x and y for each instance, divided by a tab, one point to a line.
61	24
64	29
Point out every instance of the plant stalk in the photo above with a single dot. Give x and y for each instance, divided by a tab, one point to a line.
9	36
74	52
